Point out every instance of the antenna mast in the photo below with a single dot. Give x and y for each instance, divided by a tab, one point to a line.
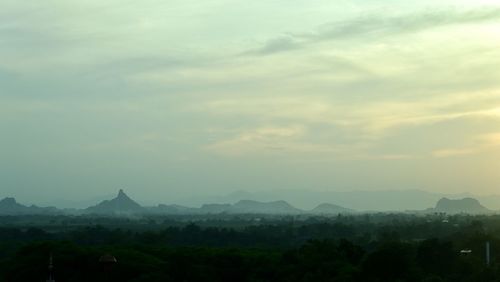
51	270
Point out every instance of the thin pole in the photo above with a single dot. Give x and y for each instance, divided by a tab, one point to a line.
487	252
51	269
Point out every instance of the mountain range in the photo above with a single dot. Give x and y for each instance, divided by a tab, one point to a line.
379	200
249	207
124	205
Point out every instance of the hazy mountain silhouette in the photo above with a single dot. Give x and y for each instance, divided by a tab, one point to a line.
330	209
276	207
379	200
170	209
122	204
214	208
249	207
77	203
466	205
9	206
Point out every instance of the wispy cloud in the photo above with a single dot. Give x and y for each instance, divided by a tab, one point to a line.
276	45
480	144
445	153
369	116
260	140
370	27
366	126
291	142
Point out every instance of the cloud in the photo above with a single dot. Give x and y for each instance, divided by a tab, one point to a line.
378	25
276	45
369	131
287	141
490	140
371	27
260	140
295	142
370	116
481	143
445	153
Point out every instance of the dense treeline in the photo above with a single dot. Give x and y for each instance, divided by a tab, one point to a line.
363	248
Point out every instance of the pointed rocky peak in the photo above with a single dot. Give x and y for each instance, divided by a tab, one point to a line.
120	204
122	195
124	199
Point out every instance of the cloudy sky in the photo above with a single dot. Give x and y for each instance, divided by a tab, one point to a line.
173	98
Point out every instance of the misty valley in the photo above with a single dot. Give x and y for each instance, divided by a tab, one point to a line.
120	240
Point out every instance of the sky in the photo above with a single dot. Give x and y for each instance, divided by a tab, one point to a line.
177	98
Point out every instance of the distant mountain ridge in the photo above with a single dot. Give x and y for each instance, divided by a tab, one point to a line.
371	201
376	200
247	207
9	206
124	205
276	207
326	208
214	208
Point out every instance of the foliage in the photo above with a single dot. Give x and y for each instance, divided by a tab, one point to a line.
365	248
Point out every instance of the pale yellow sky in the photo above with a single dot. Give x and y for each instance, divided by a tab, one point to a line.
182	97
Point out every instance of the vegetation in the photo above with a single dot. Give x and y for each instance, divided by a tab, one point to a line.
379	247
